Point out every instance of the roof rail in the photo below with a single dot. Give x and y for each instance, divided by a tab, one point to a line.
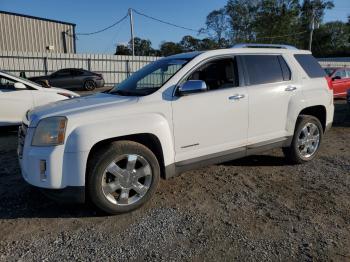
264	46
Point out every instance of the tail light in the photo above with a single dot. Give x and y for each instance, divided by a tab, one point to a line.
329	82
100	77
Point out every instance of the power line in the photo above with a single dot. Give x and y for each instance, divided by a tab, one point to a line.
279	36
165	22
106	28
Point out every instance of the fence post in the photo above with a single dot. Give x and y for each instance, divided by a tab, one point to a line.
46	66
127	68
89	64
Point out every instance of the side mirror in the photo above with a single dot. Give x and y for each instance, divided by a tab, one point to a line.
336	78
19	85
192	86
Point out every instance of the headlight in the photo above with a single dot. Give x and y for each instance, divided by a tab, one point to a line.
50	131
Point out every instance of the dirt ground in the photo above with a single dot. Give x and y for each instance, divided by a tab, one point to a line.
254	209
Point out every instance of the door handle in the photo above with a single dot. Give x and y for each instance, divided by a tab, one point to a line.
290	88
236	97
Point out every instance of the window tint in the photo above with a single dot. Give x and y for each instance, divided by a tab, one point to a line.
264	69
340	73
63	73
348	73
310	65
76	72
6	84
217	74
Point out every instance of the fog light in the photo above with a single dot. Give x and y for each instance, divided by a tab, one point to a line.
43	170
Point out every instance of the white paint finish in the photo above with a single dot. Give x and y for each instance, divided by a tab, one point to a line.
210	121
14	103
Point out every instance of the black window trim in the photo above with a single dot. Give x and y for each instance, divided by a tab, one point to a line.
246	76
209	59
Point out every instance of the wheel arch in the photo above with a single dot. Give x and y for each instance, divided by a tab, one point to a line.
149	140
318	111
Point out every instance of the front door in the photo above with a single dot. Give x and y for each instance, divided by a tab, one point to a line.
212	121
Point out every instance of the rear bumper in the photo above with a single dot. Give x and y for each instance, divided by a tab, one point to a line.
100	83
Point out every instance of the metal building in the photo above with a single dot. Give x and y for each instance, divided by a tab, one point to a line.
26	33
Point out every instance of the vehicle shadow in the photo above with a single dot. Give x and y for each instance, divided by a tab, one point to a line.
341	114
258	160
20	200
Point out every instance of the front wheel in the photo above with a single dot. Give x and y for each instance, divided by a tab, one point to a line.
123	177
306	140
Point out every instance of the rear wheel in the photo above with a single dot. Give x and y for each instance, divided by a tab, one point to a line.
123	177
89	85
306	140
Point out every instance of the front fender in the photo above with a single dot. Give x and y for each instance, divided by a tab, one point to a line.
83	137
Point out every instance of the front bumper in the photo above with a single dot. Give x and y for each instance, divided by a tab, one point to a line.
51	167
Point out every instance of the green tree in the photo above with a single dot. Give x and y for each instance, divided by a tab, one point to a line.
170	48
332	39
277	21
142	47
189	43
216	25
122	50
312	9
241	18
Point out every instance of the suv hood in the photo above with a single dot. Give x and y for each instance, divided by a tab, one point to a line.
81	105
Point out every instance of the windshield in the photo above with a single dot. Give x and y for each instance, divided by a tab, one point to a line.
21	78
329	71
150	78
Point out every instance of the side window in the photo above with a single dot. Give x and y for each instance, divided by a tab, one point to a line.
217	74
263	69
340	73
348	73
310	65
63	73
6	84
76	72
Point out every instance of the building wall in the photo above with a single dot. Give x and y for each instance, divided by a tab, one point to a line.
29	34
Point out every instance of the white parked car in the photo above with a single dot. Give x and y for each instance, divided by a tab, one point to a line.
18	95
178	113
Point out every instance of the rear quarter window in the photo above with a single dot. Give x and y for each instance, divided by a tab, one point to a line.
310	65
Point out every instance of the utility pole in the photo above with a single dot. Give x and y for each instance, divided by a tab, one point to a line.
132	31
312	28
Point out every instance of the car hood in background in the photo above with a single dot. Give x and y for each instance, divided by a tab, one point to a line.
59	90
80	105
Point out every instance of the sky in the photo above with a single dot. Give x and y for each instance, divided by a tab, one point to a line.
92	15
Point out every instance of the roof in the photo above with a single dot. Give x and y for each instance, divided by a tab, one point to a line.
35	17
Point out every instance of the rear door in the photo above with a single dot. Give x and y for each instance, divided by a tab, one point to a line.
62	78
270	89
14	103
78	77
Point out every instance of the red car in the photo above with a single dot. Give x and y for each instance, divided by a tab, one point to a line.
340	80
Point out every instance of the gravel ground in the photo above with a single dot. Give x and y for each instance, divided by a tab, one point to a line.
257	208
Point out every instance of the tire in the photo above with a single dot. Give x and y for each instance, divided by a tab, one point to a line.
306	140
89	85
115	183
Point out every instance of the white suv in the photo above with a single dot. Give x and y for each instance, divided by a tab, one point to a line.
178	113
